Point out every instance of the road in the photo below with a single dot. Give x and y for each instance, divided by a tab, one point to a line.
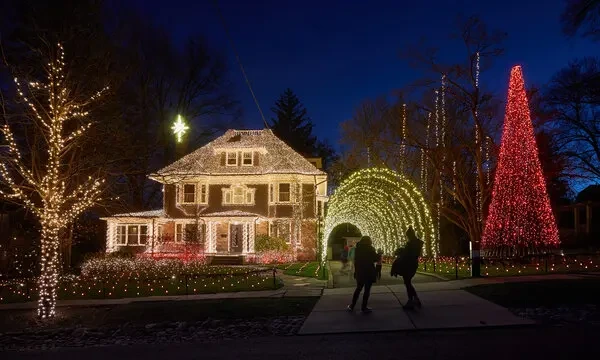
346	279
489	344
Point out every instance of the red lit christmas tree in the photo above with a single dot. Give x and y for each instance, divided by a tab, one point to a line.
520	219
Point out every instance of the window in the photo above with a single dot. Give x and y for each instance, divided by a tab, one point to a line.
281	229
191	233
238	195
132	234
271	192
189	193
247	158
284	192
160	232
179	232
121	234
203	194
232	158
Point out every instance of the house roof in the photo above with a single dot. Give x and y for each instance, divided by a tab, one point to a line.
143	214
231	213
278	157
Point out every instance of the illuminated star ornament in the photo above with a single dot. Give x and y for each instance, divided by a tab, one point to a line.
179	128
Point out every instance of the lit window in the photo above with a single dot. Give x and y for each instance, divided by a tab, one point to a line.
189	193
247	159
238	195
143	234
284	192
132	235
191	232
232	158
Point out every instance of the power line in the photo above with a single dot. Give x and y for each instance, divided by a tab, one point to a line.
237	56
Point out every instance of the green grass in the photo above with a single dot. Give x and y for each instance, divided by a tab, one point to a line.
447	267
140	313
306	269
541	293
71	287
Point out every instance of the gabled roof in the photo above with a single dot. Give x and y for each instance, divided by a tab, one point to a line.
277	157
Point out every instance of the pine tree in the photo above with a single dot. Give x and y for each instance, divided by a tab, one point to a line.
293	125
520	219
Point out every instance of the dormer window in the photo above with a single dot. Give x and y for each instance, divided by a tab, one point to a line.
232	159
247	158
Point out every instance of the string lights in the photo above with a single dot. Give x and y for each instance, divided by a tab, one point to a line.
381	203
520	219
424	163
403	141
47	189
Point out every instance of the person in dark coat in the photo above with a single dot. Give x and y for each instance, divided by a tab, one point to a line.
365	258
406	264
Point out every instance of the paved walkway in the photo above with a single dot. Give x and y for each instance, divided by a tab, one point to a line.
444	307
345	278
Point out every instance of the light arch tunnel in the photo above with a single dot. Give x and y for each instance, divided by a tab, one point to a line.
382	204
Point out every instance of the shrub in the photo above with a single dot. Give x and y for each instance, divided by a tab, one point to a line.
264	243
273	257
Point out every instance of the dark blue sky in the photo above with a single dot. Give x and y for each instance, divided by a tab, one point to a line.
334	54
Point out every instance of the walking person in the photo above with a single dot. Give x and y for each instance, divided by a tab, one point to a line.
379	264
364	272
406	264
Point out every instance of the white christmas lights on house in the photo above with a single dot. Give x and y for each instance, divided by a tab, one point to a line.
59	202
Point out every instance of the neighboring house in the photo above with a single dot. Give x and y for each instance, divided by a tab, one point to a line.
219	198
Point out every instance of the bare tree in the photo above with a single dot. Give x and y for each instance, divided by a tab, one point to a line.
49	177
573	96
582	14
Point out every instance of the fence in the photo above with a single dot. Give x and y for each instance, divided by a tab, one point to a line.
112	287
459	267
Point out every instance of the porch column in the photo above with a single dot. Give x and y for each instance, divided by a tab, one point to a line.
212	242
251	236
109	236
244	238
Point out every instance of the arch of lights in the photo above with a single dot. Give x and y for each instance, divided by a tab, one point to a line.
382	204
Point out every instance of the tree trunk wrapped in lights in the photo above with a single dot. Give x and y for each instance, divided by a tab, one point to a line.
520	219
50	184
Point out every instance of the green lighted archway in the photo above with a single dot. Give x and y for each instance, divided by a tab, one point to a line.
381	203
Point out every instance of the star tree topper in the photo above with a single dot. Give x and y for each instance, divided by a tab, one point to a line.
179	128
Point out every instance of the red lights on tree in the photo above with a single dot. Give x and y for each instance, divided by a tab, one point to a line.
520	219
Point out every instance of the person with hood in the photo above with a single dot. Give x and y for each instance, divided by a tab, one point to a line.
406	264
365	258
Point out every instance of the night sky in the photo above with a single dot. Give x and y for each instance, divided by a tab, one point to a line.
334	54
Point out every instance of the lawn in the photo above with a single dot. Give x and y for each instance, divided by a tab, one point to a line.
113	284
459	268
139	313
307	269
548	293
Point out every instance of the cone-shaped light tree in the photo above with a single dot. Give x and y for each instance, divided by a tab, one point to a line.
520	219
46	178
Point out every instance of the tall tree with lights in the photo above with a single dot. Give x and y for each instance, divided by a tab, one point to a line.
46	173
520	219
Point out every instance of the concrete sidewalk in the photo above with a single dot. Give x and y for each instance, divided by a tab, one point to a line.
444	307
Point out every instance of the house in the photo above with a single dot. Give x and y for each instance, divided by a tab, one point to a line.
219	198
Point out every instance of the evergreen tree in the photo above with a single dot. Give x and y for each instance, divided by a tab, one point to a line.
292	124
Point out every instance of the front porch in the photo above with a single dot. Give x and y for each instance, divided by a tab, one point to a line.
213	235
